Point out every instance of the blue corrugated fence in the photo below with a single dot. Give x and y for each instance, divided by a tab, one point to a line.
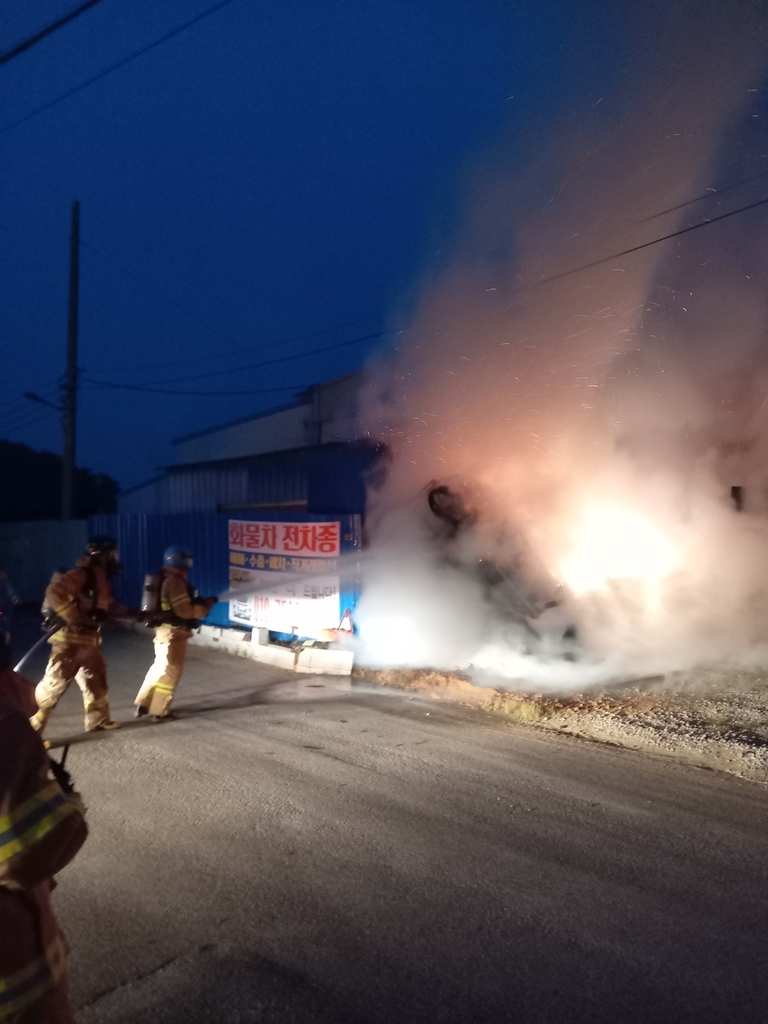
143	538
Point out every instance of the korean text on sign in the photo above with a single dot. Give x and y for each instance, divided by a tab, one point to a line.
308	539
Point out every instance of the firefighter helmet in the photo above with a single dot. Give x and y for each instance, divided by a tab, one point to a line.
100	545
179	556
104	550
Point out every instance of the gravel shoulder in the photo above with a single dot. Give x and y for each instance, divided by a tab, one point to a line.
714	718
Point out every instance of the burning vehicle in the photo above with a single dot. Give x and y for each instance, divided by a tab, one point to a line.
471	534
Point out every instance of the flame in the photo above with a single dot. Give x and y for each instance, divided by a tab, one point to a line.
613	542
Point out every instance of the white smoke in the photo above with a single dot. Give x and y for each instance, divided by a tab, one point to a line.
607	412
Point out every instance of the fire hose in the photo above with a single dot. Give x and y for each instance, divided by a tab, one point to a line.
60	773
53	628
57	624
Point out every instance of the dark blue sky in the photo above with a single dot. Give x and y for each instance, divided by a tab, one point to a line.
274	179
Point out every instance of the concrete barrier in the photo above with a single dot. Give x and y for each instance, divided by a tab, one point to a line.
326	663
306	660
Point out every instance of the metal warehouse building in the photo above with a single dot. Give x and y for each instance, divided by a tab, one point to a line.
307	457
294	468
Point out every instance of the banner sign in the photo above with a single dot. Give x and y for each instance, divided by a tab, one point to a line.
288	572
289	539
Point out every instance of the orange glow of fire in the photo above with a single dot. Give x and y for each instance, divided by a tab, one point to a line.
613	543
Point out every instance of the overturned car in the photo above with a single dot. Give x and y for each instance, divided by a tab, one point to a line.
469	534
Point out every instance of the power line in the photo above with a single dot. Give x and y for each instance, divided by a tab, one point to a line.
185	360
18	409
237	347
22	408
21	424
24	421
704	195
47	31
103	385
31	420
380	334
266	362
645	245
114	67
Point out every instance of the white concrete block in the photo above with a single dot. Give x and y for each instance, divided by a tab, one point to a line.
235	641
310	660
323	662
271	654
206	634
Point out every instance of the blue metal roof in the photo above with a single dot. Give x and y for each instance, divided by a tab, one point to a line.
329	478
144	483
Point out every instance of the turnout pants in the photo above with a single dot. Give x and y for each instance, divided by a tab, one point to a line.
157	690
53	1008
85	663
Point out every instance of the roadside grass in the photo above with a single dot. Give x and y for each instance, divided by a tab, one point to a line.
726	726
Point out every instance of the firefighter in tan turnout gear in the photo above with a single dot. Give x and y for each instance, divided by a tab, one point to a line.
42	826
82	599
180	610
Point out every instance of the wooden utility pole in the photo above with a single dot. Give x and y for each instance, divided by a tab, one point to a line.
69	406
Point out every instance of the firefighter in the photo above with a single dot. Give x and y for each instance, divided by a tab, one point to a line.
180	610
41	829
82	598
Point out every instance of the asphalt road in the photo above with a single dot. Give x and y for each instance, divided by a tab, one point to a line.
295	850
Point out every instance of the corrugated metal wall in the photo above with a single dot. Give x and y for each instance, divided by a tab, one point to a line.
144	538
204	488
328	479
336	477
31	552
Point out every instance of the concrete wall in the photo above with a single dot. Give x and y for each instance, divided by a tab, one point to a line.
276	432
31	552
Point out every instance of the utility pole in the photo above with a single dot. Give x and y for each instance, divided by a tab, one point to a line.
69	405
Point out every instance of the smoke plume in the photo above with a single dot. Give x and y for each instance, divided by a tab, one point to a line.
603	408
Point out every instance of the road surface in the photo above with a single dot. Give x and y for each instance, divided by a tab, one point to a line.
293	849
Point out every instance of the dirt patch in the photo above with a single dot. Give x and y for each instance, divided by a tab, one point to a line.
715	718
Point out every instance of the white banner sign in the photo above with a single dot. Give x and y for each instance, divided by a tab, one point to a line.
302	607
263	558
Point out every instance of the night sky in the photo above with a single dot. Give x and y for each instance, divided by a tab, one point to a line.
276	178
